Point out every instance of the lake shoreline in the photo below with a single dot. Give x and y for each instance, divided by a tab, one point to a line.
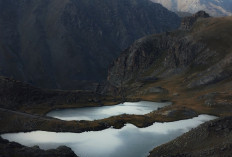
112	138
27	122
104	112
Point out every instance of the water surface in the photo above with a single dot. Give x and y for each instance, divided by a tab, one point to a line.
95	113
129	141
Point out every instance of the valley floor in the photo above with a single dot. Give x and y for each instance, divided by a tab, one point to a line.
186	104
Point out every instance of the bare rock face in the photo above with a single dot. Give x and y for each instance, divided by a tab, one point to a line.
149	56
187	22
201	49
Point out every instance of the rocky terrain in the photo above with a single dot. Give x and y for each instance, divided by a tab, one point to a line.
68	44
213	7
199	52
188	22
12	149
212	139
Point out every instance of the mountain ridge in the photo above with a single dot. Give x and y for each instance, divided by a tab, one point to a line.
65	44
175	52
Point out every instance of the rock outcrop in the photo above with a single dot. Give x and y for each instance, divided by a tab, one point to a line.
12	149
187	22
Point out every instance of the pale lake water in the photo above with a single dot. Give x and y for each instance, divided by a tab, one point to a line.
95	113
129	141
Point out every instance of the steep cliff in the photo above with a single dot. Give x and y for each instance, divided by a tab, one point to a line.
67	43
200	53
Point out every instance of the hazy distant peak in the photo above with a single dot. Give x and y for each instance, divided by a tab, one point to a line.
213	7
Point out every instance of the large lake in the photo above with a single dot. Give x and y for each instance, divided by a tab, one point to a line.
129	141
95	113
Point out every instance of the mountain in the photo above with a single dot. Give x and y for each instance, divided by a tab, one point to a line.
68	43
213	7
201	48
195	60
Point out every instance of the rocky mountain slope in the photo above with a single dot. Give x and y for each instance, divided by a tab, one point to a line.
191	66
68	43
202	53
213	7
211	139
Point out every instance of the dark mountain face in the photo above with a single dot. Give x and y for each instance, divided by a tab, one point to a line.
60	44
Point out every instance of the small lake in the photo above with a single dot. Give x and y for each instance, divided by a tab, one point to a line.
129	141
95	113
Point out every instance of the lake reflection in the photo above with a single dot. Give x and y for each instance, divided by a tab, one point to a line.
129	141
95	113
